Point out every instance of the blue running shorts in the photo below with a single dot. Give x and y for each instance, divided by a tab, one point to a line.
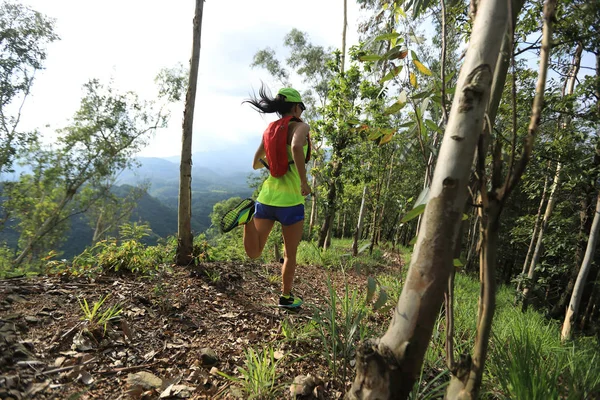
285	215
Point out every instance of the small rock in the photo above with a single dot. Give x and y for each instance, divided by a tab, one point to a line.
31	319
303	385
208	356
15	298
144	379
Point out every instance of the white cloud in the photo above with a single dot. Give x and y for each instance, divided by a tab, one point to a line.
131	40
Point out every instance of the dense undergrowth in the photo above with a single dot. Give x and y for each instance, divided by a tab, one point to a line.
526	358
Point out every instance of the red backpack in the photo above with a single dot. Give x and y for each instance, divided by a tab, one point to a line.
275	142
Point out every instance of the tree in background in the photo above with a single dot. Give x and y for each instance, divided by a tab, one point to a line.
185	239
24	35
68	177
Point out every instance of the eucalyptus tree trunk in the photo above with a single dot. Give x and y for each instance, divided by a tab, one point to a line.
573	308
185	238
325	232
538	246
387	367
567	90
467	375
359	224
313	202
536	227
584	220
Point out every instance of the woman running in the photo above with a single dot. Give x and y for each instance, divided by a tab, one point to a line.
281	198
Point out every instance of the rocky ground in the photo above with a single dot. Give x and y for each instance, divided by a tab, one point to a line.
175	333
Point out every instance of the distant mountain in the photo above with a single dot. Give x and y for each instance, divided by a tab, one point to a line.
232	158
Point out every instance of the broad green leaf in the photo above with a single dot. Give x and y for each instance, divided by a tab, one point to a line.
465	217
450	76
400	11
422	69
414	213
370	288
363	247
370	57
413	55
458	263
387	308
432	125
413	80
381	300
387	36
413	241
421	95
392	74
375	134
394	108
424	105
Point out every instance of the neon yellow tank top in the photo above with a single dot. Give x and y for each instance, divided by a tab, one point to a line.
285	190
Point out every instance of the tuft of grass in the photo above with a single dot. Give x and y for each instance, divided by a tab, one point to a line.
258	377
95	317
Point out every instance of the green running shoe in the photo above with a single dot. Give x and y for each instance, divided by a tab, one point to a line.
239	215
290	301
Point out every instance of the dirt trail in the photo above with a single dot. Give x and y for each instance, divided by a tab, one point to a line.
173	331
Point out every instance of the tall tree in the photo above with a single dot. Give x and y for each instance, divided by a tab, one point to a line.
24	35
185	238
107	130
387	367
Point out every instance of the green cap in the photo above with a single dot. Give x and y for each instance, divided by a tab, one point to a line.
291	95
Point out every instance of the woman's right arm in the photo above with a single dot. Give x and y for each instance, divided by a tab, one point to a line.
260	153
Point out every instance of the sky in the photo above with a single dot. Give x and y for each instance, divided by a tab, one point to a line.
130	41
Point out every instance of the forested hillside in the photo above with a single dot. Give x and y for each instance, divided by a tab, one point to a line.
451	142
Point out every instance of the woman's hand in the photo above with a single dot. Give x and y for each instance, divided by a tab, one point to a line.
304	188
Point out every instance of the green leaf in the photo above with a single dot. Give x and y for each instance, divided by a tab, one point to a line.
465	217
363	247
458	263
413	55
381	300
414	213
387	36
394	108
370	57
375	134
392	74
370	288
432	125
413	240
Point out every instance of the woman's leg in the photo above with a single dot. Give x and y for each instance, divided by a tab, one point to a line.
292	234
256	233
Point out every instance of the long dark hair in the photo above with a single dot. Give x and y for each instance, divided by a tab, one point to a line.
266	104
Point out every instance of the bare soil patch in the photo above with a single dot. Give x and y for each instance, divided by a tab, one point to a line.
174	330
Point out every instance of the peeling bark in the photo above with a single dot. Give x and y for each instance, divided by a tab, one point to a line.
387	368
